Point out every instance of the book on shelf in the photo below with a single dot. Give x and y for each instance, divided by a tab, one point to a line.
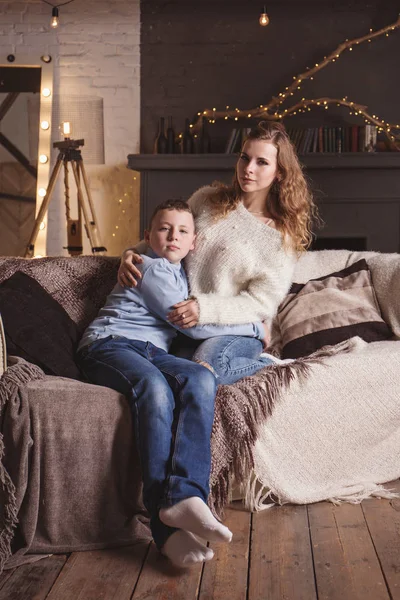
229	142
334	139
325	138
236	138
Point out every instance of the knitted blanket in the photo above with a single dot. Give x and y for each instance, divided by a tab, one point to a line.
10	385
69	471
279	434
335	436
30	421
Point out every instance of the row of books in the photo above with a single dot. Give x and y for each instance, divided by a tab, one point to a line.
351	138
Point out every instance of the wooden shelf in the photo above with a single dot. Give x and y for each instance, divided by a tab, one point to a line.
226	162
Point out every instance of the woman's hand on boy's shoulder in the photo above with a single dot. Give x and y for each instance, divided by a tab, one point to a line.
128	273
185	314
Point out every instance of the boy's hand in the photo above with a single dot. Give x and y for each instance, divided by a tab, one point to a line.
128	274
185	315
267	337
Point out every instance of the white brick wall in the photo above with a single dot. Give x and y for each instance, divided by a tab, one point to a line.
96	52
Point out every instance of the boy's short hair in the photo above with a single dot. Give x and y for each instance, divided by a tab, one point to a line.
172	204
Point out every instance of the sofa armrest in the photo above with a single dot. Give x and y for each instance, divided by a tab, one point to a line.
385	271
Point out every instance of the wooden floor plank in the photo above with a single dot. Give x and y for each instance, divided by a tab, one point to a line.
354	555
383	519
160	580
33	581
345	558
103	574
333	564
280	555
225	576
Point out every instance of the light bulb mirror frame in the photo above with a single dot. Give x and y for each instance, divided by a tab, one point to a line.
44	146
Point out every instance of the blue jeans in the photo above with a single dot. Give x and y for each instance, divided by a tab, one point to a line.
172	400
231	357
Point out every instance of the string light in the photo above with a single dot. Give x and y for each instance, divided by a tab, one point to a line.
55	21
264	18
54	18
271	111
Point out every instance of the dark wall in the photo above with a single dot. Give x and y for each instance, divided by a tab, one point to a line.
204	54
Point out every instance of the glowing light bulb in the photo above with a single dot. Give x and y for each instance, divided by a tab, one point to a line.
66	129
264	18
42	226
43	159
46	92
45	125
42	192
54	18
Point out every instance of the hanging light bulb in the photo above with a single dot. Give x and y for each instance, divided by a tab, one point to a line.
264	18
54	17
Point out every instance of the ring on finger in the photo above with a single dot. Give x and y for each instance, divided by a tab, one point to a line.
183	316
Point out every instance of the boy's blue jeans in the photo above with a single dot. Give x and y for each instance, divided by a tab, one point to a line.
172	400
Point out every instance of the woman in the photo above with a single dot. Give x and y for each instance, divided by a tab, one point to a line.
248	237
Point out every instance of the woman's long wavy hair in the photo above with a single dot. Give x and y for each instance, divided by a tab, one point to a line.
290	201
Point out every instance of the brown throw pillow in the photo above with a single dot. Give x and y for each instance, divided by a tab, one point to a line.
329	310
37	328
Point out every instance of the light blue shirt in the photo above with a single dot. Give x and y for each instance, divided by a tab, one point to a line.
140	313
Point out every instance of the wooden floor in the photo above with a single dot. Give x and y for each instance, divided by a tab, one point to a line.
319	551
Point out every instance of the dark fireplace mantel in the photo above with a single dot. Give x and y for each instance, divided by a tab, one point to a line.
358	194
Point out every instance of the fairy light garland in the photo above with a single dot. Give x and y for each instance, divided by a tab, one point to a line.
273	109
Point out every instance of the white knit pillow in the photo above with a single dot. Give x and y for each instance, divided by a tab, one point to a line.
3	354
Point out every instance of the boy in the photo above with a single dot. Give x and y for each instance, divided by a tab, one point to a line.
126	348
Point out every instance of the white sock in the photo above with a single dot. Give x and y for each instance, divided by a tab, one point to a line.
192	514
277	361
184	549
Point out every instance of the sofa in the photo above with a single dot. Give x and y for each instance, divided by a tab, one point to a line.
324	426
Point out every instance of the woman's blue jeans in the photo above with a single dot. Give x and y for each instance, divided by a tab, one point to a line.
231	357
172	400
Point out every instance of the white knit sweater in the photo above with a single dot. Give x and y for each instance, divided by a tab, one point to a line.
239	271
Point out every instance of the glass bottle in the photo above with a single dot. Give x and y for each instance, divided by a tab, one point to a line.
205	141
160	144
170	137
187	139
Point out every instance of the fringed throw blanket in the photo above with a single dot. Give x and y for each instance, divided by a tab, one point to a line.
337	437
243	411
13	380
69	475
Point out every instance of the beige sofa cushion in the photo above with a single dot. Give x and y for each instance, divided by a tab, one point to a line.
330	309
385	271
3	354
